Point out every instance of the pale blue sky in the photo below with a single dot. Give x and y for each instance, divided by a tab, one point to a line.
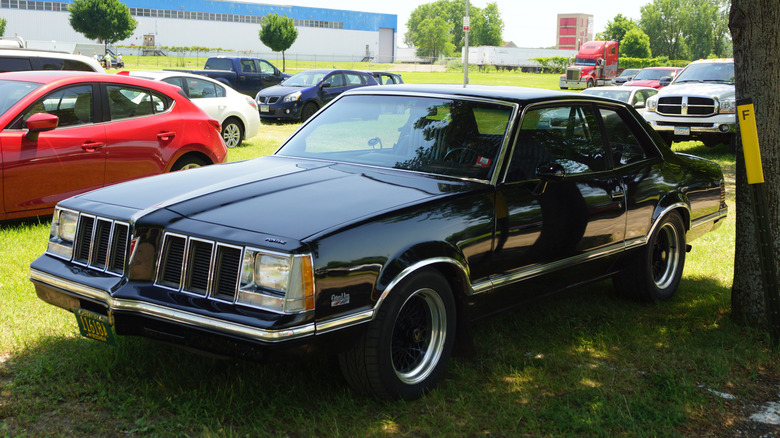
527	23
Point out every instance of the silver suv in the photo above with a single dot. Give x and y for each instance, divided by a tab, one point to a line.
699	104
18	59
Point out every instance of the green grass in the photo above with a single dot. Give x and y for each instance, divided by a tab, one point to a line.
584	363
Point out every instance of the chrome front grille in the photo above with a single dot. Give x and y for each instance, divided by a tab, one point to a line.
572	74
687	106
201	267
101	244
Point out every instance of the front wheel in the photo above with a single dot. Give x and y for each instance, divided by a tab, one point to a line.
232	132
404	352
654	271
308	110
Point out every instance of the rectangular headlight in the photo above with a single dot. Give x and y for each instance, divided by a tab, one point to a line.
62	233
280	283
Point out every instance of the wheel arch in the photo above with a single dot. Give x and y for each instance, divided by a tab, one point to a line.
677	203
186	155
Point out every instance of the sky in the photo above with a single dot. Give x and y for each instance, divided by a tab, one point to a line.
526	22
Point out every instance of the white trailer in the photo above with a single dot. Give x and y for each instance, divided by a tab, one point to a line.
513	58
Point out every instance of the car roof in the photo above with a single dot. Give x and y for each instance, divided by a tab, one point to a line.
65	77
162	74
617	88
662	68
36	53
497	92
330	70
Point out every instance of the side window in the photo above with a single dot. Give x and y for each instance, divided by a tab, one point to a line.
52	64
624	145
566	135
201	89
336	80
266	68
73	106
248	66
354	79
14	64
178	81
125	102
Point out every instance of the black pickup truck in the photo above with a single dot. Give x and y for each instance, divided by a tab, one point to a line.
246	75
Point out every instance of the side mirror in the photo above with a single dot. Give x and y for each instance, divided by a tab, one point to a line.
550	171
639	105
40	122
326	85
666	80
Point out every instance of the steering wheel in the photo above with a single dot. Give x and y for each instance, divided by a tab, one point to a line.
463	152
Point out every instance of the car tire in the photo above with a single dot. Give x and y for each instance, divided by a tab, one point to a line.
308	110
188	162
654	271
590	83
404	352
232	132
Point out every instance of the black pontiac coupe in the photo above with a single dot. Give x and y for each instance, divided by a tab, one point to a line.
382	228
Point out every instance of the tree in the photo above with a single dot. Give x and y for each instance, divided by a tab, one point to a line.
278	33
435	39
488	27
106	21
635	44
486	24
2	26
754	30
664	22
617	29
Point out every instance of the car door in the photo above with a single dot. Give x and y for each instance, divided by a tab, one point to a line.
144	132
40	171
560	207
250	79
269	75
332	85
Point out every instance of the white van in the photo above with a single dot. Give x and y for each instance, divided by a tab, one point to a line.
17	59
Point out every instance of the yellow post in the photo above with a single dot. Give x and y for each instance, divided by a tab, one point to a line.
746	113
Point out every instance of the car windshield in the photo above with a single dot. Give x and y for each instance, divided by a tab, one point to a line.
460	138
304	79
652	75
584	61
722	72
622	95
12	92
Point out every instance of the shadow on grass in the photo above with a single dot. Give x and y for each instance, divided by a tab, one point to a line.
585	362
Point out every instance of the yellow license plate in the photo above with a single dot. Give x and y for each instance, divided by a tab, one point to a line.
94	326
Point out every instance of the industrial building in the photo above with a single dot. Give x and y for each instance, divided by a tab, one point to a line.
574	30
332	34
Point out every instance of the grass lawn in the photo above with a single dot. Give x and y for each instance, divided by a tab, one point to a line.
583	363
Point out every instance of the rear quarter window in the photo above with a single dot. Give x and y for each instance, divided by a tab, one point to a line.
14	64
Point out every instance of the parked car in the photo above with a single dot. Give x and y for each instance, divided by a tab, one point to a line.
386	78
383	227
243	74
634	96
236	112
625	76
18	59
64	133
699	104
652	76
300	96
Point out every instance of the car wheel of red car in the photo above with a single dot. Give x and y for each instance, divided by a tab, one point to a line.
232	132
308	110
655	270
404	352
188	162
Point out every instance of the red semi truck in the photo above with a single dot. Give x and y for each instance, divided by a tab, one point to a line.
594	65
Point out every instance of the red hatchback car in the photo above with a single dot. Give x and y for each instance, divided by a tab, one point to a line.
64	133
651	76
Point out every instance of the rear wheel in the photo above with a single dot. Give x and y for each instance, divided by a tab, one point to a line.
404	352
188	162
232	132
590	83
654	271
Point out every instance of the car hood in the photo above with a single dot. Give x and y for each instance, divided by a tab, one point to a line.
294	198
280	90
699	89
